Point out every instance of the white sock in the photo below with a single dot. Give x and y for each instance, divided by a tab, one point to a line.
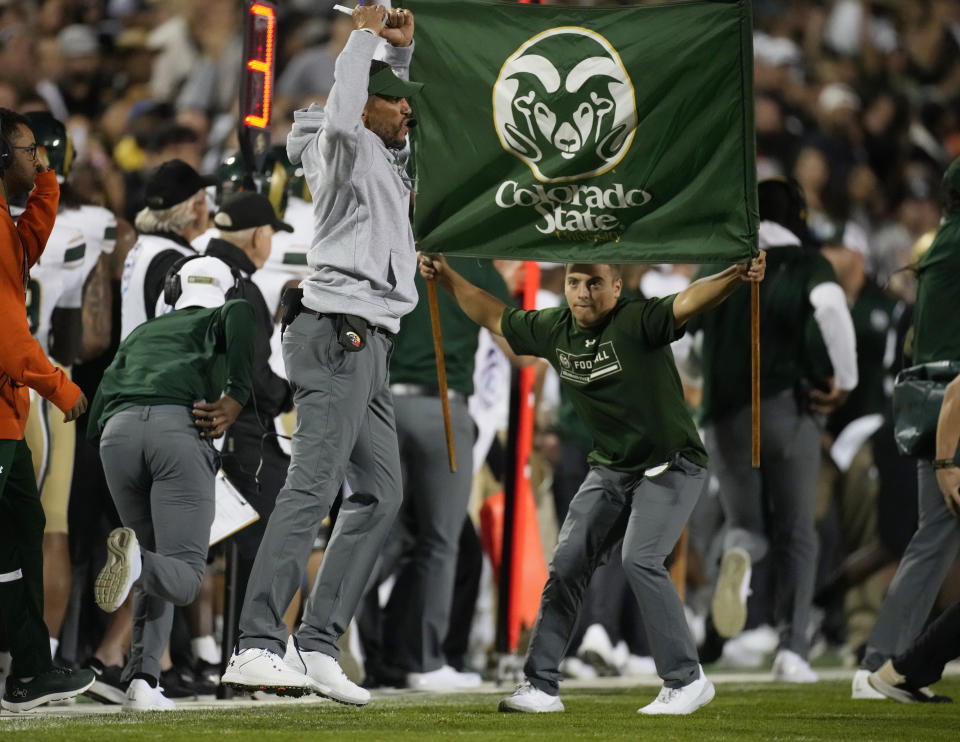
54	644
205	648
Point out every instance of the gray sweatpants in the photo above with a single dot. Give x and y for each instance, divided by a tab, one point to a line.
345	429
786	484
918	579
649	515
417	615
161	477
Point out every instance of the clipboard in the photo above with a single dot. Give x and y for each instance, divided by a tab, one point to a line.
232	512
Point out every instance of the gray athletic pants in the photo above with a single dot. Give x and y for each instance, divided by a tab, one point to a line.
161	477
786	486
649	515
345	429
918	579
417	615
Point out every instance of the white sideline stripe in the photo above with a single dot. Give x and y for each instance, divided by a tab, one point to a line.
11	576
17	721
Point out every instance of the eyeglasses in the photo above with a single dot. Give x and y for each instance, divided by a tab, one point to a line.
30	149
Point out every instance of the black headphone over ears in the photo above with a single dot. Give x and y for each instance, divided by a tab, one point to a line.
6	151
173	287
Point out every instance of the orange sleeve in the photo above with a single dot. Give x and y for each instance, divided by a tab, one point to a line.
36	221
21	357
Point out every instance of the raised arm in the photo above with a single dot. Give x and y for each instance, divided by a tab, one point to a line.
483	308
710	291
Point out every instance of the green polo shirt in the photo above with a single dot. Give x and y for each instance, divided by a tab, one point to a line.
936	321
187	355
620	378
792	273
414	361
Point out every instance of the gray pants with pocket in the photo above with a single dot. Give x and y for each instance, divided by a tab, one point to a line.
918	579
345	430
161	477
417	616
649	514
786	483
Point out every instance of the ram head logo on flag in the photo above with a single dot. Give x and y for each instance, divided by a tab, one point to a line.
551	133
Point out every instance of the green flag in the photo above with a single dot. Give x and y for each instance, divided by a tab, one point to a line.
585	134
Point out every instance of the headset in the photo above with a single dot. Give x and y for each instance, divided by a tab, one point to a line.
6	151
173	287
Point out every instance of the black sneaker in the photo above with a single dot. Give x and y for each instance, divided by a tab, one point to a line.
206	678
888	681
207	671
177	685
57	684
107	687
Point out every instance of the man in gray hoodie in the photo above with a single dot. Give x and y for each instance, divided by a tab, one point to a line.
336	349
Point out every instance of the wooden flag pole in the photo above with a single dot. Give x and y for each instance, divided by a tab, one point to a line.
441	370
678	569
755	374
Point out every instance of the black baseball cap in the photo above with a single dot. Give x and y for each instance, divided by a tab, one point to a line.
384	81
245	210
173	183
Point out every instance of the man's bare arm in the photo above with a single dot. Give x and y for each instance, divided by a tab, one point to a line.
708	292
483	308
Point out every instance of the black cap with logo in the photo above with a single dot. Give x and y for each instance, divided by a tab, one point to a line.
173	183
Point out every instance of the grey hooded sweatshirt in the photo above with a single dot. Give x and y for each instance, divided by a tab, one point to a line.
362	255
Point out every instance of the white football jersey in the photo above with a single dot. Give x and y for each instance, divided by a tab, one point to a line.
133	311
78	238
288	253
55	279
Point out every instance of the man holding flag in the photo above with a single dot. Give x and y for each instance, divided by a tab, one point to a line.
647	466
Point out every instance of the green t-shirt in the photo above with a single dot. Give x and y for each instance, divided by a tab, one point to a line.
179	358
936	321
792	273
413	360
620	378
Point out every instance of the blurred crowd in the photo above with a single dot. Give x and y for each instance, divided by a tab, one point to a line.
857	100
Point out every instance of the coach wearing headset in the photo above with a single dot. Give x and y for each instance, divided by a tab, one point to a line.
160	463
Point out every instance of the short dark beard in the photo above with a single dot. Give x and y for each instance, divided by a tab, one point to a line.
389	138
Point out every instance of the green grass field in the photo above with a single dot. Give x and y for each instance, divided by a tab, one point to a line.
739	712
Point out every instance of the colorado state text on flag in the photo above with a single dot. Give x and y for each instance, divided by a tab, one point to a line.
591	134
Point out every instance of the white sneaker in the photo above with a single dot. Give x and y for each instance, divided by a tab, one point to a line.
597	650
685	700
324	674
577	669
123	567
729	606
736	654
441	679
790	667
861	689
261	669
141	697
529	700
637	665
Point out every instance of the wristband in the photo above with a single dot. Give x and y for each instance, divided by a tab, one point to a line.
943	463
